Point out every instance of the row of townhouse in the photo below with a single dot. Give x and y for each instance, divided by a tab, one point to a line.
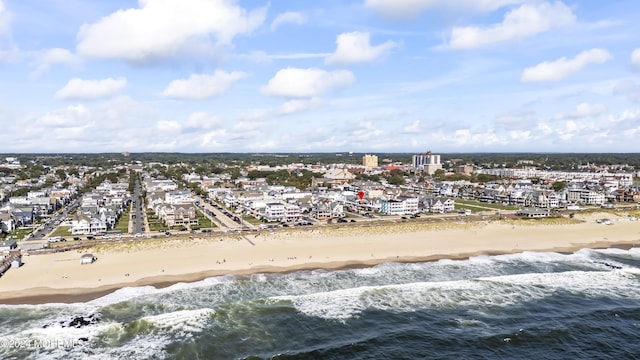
100	209
282	212
21	211
621	179
95	219
409	205
550	199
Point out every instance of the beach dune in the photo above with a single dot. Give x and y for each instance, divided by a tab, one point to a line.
60	277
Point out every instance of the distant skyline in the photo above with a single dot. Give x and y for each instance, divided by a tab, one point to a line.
367	76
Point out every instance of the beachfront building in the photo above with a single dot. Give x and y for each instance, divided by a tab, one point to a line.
402	205
392	207
178	214
292	213
282	212
437	204
325	209
533	213
585	196
274	212
88	223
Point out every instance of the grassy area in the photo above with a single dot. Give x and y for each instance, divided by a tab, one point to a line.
251	220
155	224
17	234
459	207
61	231
481	206
123	222
203	221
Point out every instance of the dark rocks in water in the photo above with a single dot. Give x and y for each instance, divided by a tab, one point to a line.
611	266
83	339
78	321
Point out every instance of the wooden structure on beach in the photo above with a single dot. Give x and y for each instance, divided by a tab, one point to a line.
87	259
13	260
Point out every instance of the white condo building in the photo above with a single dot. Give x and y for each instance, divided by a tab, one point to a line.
427	162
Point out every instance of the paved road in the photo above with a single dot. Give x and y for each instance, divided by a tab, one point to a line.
221	218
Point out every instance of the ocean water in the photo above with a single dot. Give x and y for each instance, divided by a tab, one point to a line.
584	305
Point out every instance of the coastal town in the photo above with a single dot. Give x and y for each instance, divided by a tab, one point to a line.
133	199
85	224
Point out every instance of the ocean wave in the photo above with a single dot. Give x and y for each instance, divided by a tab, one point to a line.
504	290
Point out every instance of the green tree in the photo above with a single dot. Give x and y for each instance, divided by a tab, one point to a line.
61	175
559	186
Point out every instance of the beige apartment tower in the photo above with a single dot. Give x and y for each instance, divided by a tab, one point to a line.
370	161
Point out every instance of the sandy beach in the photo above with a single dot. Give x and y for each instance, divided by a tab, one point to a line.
60	277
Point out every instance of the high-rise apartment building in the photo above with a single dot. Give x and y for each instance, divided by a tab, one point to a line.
428	162
370	161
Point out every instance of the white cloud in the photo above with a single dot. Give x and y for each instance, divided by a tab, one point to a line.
465	137
312	82
629	88
90	89
582	110
201	121
51	57
288	17
632	115
262	57
635	58
8	51
164	29
299	105
525	21
169	126
410	8
71	116
355	47
5	19
516	121
413	128
563	67
202	86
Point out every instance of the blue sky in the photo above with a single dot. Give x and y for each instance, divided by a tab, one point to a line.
319	76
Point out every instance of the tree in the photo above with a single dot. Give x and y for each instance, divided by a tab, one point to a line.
61	175
559	186
439	174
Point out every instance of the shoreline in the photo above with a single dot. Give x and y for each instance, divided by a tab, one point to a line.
38	296
334	249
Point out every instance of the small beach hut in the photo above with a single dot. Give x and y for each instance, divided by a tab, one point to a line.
87	259
17	261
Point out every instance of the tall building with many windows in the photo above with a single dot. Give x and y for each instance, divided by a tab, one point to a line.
426	162
370	161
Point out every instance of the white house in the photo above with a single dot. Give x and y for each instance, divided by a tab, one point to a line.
178	197
274	212
438	204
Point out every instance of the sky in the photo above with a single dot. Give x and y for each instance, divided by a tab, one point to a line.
370	76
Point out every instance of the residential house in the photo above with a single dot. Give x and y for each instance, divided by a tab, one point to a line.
436	204
7	222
